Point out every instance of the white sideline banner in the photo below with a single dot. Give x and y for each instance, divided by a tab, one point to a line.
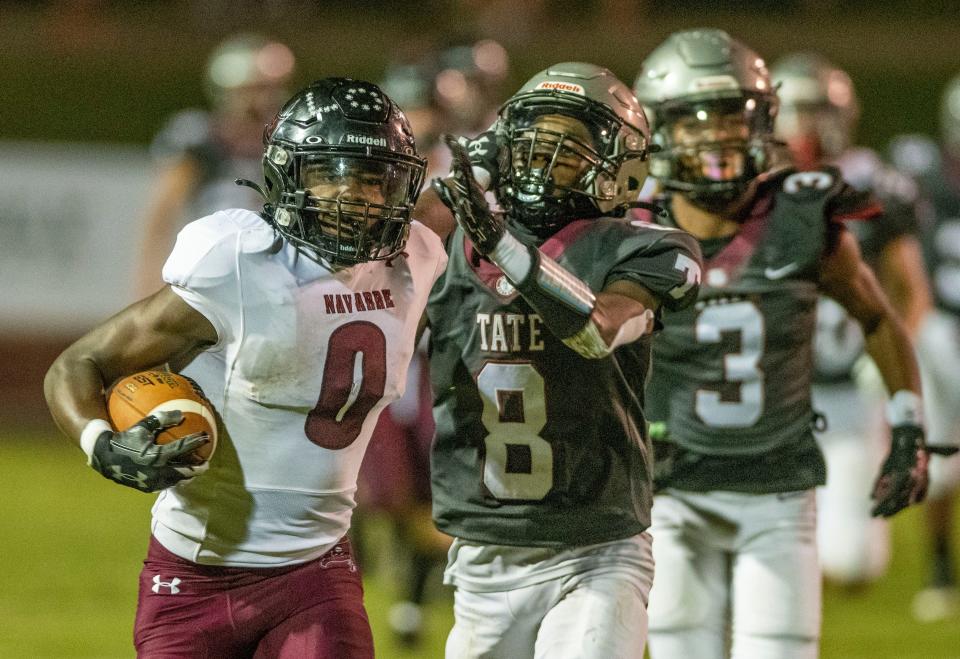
71	220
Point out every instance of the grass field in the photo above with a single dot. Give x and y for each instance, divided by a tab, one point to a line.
71	546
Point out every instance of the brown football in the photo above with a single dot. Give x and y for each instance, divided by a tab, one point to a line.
147	392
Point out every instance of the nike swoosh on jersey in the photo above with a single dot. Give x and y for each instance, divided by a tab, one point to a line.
780	273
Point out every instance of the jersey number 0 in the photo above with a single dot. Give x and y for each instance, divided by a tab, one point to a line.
354	379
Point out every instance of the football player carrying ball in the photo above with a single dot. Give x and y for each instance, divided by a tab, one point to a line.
298	323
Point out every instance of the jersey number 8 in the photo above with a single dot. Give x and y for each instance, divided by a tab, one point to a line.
519	463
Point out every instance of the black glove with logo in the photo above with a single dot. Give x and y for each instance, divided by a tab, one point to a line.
461	193
903	478
487	153
133	458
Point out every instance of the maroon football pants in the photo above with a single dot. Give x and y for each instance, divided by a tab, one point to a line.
308	611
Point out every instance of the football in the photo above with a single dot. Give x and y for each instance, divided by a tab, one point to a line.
147	392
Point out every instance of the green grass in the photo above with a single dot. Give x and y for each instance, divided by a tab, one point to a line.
71	546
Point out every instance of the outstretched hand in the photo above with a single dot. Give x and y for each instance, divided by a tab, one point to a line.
461	193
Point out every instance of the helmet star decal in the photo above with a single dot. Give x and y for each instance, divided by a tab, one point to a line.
361	101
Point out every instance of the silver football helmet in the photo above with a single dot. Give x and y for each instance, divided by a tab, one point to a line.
819	108
578	143
712	108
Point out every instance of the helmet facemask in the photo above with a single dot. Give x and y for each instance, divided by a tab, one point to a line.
713	148
349	208
565	161
819	108
813	133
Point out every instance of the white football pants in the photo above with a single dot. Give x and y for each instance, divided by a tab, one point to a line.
938	346
597	614
744	558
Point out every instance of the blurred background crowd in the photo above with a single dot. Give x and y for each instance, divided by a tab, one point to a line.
122	121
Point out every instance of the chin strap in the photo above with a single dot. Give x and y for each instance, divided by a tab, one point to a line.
250	184
656	210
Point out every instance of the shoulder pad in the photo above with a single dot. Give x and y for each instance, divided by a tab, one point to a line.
860	167
206	249
186	132
896	186
666	260
827	186
863	169
812	183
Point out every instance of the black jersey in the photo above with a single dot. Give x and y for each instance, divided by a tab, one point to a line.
940	226
732	374
536	445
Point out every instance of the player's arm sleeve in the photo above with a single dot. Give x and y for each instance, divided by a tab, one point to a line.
847	203
900	199
670	268
201	269
594	325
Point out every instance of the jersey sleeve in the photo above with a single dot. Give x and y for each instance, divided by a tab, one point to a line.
186	133
424	243
666	261
845	202
900	197
201	269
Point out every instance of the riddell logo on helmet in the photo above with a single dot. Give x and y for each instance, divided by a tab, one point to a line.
561	87
363	139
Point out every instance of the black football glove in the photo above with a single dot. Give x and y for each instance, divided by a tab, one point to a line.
903	478
461	193
486	152
133	458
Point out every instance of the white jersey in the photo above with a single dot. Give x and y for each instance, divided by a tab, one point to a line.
306	361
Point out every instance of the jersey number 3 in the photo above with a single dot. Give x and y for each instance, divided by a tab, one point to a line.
738	400
354	379
519	463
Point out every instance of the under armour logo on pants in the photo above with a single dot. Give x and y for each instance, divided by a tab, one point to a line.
172	585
